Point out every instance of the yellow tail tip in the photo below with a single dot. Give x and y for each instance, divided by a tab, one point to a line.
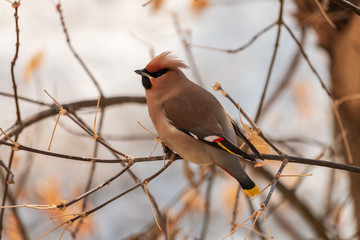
252	192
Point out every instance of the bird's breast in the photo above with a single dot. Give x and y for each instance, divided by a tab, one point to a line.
187	147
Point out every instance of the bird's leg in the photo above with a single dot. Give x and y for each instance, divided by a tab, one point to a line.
166	149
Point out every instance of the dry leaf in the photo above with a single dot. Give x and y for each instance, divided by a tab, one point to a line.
257	141
33	65
49	192
199	5
301	95
157	4
88	224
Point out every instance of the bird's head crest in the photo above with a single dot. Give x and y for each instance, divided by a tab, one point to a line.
164	61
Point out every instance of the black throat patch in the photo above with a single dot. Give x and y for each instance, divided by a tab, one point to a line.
146	82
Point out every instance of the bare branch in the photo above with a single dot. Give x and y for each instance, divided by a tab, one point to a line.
241	48
328	92
206	220
76	55
279	23
188	51
71	107
347	5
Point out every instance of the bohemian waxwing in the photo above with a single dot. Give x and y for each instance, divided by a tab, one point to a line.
190	120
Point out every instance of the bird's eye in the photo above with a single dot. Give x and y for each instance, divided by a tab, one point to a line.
159	73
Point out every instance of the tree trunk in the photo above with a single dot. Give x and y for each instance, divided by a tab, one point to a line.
343	47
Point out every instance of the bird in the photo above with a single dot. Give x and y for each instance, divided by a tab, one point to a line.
191	121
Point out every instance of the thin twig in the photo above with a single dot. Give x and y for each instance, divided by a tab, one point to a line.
65	156
76	55
16	5
348	6
206	220
173	157
10	177
89	192
235	208
274	185
318	4
286	78
87	213
302	208
147	44
70	107
151	205
279	23
241	48
25	99
51	230
6	187
241	224
343	133
328	92
95	134
129	171
93	165
99	139
335	106
188	51
63	111
292	159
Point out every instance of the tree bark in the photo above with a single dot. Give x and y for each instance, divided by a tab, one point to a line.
343	47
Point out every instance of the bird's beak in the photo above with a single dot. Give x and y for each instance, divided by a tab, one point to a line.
141	72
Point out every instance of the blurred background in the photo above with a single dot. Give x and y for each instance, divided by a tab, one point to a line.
114	38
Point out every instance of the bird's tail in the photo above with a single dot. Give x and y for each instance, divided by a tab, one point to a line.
249	187
237	172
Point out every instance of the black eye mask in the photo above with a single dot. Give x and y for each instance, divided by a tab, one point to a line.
146	81
156	74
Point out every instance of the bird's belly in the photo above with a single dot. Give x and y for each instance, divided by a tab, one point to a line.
187	147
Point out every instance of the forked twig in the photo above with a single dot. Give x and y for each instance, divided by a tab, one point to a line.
241	48
267	81
62	111
328	92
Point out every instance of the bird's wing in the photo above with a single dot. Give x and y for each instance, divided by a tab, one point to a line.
195	117
244	138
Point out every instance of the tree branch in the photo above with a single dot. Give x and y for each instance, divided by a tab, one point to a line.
348	6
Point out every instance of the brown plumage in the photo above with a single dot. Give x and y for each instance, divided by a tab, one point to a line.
190	120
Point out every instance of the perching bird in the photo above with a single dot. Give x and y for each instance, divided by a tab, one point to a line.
191	121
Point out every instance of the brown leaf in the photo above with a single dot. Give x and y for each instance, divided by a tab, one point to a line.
157	4
302	98
33	65
49	192
199	5
257	141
